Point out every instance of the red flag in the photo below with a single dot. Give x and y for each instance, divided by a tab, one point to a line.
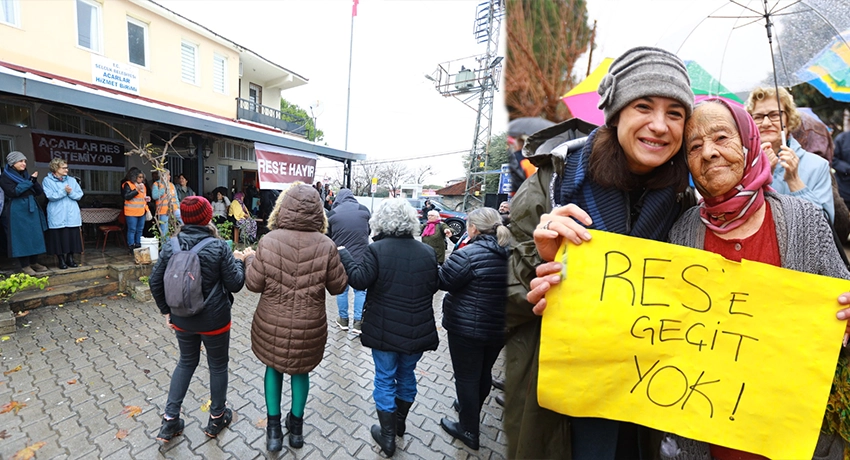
354	8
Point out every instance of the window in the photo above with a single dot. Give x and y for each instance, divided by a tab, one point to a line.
15	115
88	25
189	62
234	151
107	182
64	123
219	73
137	41
7	144
10	12
255	95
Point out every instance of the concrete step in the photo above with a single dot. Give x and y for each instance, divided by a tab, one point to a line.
58	277
57	294
140	291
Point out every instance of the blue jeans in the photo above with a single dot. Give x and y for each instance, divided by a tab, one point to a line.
394	378
135	225
218	348
342	303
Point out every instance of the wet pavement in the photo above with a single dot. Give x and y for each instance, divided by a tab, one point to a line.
79	373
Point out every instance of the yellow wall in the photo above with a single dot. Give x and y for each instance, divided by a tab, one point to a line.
47	41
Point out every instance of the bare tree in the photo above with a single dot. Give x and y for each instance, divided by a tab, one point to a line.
361	180
392	175
420	174
545	38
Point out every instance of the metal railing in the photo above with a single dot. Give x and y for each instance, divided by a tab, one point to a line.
251	111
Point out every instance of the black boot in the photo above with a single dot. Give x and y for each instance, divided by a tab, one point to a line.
69	259
457	432
401	410
384	435
295	426
61	263
170	429
274	434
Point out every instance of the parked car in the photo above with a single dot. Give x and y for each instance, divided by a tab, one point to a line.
455	220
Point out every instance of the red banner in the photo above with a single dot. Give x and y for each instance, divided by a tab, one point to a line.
279	167
80	152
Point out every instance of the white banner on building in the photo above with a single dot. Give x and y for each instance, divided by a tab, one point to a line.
114	75
278	167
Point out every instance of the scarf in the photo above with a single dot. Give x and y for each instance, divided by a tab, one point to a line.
725	213
609	207
20	177
429	228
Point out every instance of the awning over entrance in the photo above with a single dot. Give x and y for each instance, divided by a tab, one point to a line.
30	83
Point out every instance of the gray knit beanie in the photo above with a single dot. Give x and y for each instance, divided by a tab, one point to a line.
641	72
14	157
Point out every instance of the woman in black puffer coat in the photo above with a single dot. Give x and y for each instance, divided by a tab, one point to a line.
474	316
221	275
399	275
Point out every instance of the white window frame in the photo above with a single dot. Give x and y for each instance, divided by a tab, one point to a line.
11	8
98	38
196	70
219	64
144	26
10	140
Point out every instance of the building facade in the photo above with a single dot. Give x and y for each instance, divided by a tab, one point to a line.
91	80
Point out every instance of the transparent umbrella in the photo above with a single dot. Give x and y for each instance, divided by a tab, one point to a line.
750	43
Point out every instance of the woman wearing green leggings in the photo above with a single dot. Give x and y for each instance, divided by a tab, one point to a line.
293	266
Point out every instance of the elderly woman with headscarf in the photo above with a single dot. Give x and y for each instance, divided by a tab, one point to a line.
24	232
294	265
63	214
741	217
399	275
239	212
434	234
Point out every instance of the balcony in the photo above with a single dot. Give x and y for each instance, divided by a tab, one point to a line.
251	111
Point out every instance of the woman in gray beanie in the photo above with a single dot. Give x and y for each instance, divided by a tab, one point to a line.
24	233
628	178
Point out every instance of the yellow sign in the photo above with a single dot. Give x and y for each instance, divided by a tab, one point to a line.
374	181
736	354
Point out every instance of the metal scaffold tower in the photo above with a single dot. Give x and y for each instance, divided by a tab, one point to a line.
479	82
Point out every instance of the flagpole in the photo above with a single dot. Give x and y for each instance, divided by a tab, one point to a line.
350	54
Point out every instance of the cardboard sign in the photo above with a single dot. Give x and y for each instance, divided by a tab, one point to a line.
279	167
682	340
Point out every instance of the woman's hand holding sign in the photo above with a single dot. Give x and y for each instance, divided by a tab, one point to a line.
548	275
561	223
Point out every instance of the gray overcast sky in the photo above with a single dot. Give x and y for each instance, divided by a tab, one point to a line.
396	113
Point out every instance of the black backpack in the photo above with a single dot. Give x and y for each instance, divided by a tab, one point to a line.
183	279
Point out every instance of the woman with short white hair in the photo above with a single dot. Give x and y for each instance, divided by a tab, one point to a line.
399	275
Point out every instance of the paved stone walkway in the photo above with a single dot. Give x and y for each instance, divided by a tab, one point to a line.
83	363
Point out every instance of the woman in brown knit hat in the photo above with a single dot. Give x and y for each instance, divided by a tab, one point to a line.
295	263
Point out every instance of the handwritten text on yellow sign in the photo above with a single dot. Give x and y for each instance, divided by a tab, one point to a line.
685	341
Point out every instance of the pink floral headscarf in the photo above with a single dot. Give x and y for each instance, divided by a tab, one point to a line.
725	213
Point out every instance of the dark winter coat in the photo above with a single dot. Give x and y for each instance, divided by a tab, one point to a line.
293	266
437	240
222	275
348	224
399	275
476	280
24	231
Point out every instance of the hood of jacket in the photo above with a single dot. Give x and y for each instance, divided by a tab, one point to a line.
545	142
301	210
490	243
344	196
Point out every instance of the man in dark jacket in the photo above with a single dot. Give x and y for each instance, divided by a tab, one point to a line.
348	225
221	275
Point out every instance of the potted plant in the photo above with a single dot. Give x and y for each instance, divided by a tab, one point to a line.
225	231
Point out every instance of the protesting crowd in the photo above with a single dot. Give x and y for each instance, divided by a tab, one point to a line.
717	176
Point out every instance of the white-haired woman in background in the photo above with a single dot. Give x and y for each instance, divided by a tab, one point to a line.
399	275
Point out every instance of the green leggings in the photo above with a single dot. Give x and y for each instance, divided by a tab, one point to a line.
274	387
